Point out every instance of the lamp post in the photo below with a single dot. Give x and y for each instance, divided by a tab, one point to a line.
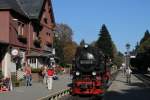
127	55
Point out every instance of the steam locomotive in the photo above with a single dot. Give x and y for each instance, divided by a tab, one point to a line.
90	72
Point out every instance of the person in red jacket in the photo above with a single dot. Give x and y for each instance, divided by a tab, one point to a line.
50	73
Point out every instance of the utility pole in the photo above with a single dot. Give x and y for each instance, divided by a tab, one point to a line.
128	55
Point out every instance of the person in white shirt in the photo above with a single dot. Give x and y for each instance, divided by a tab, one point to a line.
44	73
128	74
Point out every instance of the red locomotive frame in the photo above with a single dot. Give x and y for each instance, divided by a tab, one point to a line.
91	86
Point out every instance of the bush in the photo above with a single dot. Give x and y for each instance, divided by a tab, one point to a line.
63	64
36	70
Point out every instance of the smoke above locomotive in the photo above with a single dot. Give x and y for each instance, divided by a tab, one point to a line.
89	59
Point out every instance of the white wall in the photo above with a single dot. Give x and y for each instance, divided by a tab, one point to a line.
7	65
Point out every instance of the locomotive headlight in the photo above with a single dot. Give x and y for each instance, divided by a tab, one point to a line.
77	73
93	73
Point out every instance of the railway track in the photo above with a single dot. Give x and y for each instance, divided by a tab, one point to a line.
145	78
81	98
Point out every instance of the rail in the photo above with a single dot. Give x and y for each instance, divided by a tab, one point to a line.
56	95
144	78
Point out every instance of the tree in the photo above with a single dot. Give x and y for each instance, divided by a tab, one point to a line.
59	49
146	36
118	59
144	43
142	49
117	56
114	52
144	46
64	45
65	33
69	52
104	42
134	51
93	44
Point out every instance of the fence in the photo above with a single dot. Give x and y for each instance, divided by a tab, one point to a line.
57	95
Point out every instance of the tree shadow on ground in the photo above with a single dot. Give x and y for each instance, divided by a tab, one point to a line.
120	81
130	94
138	84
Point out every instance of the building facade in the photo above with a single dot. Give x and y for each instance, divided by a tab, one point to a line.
26	34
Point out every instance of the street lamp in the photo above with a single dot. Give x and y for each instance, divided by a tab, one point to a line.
127	55
127	47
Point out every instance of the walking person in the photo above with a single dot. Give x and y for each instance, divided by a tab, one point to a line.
123	68
128	75
28	75
50	73
44	73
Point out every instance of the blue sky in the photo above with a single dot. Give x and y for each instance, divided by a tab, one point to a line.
126	20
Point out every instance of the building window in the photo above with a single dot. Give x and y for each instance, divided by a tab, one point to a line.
20	29
32	60
48	34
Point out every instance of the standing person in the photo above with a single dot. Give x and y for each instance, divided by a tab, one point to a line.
44	73
50	73
123	69
128	74
28	75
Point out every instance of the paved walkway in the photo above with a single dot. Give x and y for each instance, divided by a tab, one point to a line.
36	91
120	90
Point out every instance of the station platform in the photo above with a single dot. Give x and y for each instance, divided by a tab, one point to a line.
36	91
121	90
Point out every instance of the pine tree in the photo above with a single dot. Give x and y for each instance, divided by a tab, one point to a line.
146	36
104	42
145	42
